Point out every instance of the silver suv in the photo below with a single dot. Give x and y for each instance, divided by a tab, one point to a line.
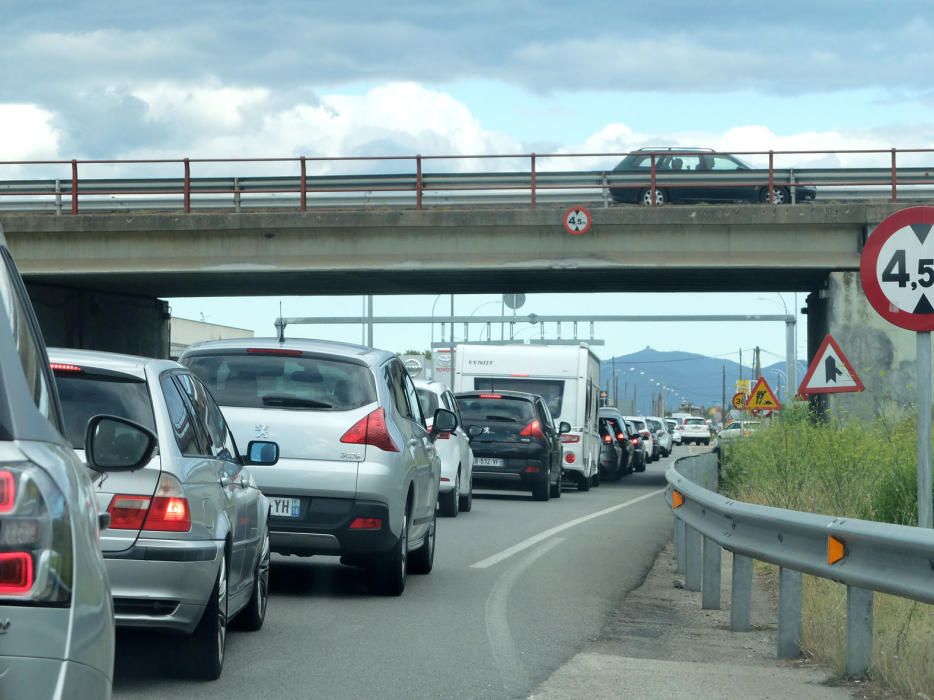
358	475
56	618
187	548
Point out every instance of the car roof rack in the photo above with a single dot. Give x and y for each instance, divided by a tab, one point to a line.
679	149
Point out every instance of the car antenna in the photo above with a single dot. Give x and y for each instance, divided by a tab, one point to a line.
280	324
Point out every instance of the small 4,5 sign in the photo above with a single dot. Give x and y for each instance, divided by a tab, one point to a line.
577	220
897	268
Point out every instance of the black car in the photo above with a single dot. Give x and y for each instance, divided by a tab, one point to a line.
638	456
700	175
611	454
514	440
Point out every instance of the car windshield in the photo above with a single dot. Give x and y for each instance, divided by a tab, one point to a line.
300	382
551	390
428	401
695	421
85	395
654	424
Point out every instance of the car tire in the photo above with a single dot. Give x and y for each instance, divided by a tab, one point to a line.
251	618
388	573
706	442
583	483
542	491
780	195
466	502
422	559
661	197
596	479
641	467
556	489
450	501
201	656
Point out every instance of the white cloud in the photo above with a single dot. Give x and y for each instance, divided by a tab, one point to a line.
27	133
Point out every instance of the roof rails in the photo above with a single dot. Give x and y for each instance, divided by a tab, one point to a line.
679	149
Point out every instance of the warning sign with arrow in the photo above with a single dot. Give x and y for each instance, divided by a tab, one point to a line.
830	372
763	398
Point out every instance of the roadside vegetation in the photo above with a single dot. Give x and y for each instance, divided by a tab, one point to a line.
852	469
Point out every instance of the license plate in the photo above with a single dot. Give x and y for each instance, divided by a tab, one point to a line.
285	507
488	462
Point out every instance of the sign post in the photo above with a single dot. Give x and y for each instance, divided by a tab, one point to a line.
897	273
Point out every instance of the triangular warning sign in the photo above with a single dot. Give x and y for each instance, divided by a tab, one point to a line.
830	372
763	398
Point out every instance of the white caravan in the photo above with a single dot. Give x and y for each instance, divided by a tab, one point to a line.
566	376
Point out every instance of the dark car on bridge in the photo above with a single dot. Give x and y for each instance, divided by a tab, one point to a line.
514	440
699	175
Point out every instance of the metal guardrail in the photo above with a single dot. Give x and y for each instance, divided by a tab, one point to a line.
865	556
422	186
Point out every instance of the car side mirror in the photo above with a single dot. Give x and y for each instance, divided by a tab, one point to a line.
564	427
261	452
474	430
114	444
444	421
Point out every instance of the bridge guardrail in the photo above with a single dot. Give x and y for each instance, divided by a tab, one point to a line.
865	556
421	180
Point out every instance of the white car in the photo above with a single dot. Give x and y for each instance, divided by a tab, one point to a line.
695	429
651	445
738	429
456	491
673	426
660	434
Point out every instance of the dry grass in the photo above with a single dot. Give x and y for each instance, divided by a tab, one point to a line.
855	471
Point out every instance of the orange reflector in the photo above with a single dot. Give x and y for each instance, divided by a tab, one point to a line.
836	549
677	500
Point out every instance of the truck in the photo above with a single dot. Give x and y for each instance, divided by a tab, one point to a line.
567	377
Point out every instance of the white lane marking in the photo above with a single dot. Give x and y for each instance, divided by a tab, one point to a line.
506	657
535	539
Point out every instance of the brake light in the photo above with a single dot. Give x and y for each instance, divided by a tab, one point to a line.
607	439
371	430
531	470
168	515
7	491
64	367
635	441
128	512
533	429
490	396
273	351
620	437
568	438
366	524
443	436
520	374
569	457
16	573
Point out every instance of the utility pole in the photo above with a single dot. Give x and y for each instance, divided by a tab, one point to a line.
723	400
758	365
615	383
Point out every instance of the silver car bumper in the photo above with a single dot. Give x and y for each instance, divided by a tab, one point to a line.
55	679
162	584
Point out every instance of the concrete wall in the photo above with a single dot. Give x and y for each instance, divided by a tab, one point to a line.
186	331
79	318
883	355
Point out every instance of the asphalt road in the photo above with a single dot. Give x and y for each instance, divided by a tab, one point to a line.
518	588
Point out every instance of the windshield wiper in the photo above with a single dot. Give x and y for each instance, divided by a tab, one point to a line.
293	402
502	419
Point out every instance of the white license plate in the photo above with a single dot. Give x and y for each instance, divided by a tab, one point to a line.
285	507
488	462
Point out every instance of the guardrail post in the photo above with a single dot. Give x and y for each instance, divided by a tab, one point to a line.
692	548
418	182
679	546
741	594
237	194
187	186
303	188
534	180
771	177
58	196
606	191
653	180
710	587
894	178
74	187
858	631
789	613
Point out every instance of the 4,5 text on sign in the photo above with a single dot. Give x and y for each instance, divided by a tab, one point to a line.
577	220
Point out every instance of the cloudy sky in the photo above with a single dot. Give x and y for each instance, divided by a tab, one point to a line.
102	79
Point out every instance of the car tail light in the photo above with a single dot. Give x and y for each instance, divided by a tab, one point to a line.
635	441
443	436
620	437
531	469
371	430
166	511
533	429
569	457
366	524
36	557
569	438
646	434
491	396
607	439
128	512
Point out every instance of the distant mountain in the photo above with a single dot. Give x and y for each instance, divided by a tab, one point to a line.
697	378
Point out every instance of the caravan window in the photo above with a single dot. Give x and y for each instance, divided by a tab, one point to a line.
552	390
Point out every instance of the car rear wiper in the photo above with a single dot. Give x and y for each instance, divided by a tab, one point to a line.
293	402
502	419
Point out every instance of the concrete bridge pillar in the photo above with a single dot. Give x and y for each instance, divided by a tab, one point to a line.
90	320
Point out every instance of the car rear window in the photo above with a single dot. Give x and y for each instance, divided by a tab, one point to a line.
695	421
302	382
551	390
502	419
638	424
85	395
428	401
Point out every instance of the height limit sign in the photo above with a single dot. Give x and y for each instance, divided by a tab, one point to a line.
897	272
577	220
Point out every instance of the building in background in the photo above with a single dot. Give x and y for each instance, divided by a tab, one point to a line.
185	332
